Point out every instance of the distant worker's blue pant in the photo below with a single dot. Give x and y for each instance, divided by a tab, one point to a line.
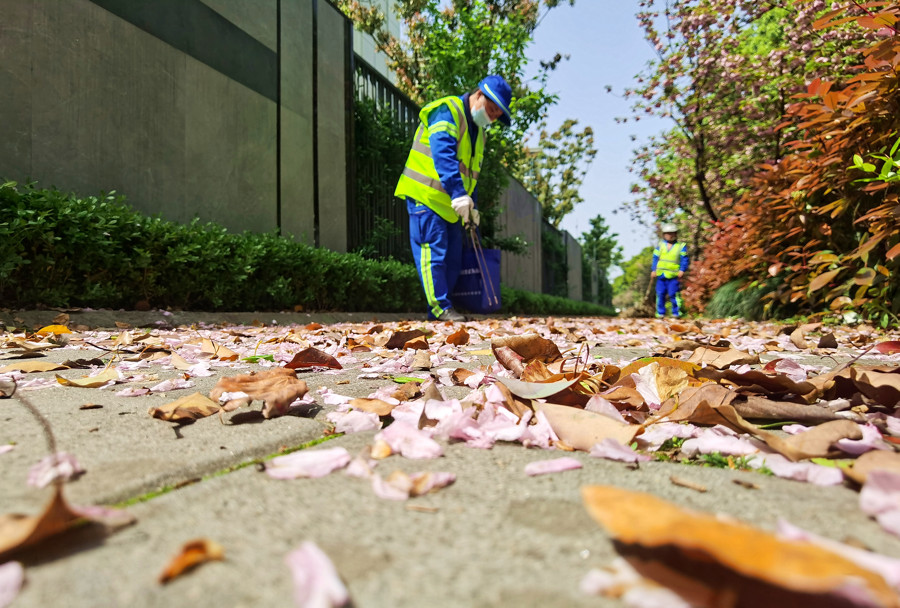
437	249
667	288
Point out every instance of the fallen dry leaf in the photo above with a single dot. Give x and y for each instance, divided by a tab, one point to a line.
706	558
582	429
375	406
459	338
277	388
875	460
101	379
191	407
192	554
218	351
529	347
32	366
18	532
313	357
53	329
399	339
722	357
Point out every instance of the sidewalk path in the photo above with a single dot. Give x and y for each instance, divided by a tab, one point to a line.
495	537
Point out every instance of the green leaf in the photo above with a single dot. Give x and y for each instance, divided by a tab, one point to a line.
405	379
857	161
256	358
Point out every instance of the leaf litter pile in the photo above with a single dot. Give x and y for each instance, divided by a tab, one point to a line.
810	403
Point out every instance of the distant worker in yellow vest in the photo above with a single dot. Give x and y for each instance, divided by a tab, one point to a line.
439	184
670	262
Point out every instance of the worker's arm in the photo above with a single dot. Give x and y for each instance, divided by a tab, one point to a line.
442	134
653	264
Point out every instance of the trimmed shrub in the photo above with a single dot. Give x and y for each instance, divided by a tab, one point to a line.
60	250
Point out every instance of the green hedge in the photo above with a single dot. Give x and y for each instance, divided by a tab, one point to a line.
57	249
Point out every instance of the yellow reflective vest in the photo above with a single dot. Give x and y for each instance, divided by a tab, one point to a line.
420	180
669	261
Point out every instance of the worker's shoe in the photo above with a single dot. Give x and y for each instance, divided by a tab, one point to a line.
451	315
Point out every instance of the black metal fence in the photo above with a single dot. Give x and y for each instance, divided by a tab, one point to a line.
384	122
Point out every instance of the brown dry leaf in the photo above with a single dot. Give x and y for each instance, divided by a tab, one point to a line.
61	319
706	558
698	405
313	357
582	429
635	366
771	385
357	346
881	384
192	554
18	532
624	395
459	375
510	359
516	406
529	347
375	406
191	407
218	351
459	338
670	381
178	362
766	409
97	381
798	339
422	359
277	388
537	371
827	341
32	366
817	442
722	357
875	460
399	339
419	343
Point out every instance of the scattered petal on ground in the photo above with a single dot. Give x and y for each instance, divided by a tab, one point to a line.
12	576
61	467
316	582
554	465
308	463
614	450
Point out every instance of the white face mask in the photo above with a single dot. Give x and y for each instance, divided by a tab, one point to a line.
480	117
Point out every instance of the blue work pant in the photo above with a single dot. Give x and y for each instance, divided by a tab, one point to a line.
667	288
437	249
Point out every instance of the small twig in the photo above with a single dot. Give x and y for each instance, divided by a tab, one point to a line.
685	483
48	432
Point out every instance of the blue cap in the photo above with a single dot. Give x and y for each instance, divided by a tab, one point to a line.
498	91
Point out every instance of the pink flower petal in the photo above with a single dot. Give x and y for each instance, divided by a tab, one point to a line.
308	463
555	465
133	391
6	448
316	582
396	488
718	439
602	406
871	440
540	434
657	434
408	441
881	493
611	449
62	467
798	471
12	575
354	421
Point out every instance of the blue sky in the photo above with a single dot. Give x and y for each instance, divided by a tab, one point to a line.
606	47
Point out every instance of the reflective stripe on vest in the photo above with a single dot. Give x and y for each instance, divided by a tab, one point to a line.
669	262
420	180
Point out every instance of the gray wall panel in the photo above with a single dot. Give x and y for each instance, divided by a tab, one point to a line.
297	175
229	152
256	17
332	83
521	216
107	106
15	91
573	259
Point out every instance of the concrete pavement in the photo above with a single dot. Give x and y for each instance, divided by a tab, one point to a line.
496	537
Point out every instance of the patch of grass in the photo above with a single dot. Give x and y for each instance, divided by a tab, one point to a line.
231	469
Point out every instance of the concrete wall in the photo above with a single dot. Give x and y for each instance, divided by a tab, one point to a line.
175	104
521	217
573	262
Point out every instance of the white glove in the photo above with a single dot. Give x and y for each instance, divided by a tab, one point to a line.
463	205
476	217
